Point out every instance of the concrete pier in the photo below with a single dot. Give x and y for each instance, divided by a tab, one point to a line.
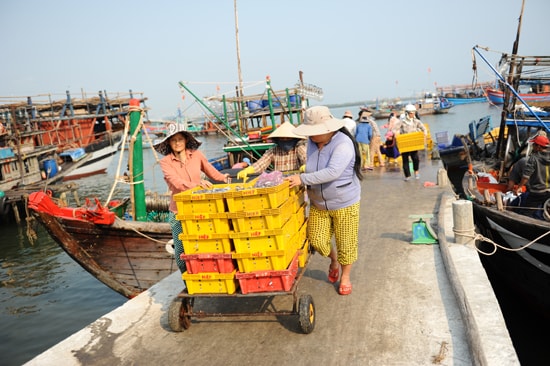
412	304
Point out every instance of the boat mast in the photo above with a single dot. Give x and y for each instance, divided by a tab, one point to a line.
238	49
139	210
501	146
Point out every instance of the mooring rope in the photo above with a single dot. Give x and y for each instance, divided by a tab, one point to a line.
478	237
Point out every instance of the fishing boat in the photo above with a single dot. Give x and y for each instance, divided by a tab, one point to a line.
129	256
247	120
93	124
513	245
539	95
129	250
429	103
125	251
464	94
432	103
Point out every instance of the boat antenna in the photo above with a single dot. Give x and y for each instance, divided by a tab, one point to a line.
238	48
507	101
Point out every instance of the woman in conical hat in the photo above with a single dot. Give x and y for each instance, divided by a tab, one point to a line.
183	167
289	154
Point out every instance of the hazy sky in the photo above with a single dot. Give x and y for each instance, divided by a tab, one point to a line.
354	49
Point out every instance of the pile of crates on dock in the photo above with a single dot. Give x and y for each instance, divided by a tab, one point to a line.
242	237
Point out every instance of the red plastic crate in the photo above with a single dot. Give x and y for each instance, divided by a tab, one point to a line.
268	281
209	262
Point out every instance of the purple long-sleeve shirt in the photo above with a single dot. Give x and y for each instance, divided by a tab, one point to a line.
329	177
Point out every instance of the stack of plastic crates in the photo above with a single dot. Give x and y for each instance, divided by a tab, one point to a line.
206	244
269	237
259	231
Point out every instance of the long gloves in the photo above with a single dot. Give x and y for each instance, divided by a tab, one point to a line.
243	174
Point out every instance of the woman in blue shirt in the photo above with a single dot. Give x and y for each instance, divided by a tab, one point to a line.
332	177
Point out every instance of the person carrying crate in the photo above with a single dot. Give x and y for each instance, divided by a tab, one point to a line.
408	124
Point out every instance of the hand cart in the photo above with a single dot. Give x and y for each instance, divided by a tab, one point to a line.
181	307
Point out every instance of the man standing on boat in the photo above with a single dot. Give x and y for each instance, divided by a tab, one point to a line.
536	174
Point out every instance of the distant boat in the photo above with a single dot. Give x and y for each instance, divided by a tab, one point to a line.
464	94
497	96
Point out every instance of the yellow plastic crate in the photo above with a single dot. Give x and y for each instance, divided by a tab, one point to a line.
206	243
210	283
271	260
257	198
411	141
263	240
201	223
264	261
269	218
303	253
200	205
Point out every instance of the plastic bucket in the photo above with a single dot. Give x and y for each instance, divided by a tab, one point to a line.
50	167
294	100
254	105
274	102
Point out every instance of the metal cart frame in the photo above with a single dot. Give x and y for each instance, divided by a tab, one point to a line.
181	307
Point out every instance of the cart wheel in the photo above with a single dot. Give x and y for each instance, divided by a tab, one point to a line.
306	309
177	314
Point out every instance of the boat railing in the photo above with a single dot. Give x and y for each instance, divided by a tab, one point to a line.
269	107
512	90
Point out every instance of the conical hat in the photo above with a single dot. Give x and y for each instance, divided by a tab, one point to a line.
285	130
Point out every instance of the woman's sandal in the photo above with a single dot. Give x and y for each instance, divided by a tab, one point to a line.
344	289
333	274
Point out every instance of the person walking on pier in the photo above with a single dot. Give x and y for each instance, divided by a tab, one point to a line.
332	177
183	166
410	123
351	125
363	136
376	139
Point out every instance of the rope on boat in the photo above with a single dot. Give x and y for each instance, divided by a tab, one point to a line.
147	236
478	237
126	127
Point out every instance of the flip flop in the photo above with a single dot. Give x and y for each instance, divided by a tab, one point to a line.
344	289
333	274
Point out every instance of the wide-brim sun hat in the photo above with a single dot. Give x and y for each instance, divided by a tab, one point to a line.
317	121
191	143
285	130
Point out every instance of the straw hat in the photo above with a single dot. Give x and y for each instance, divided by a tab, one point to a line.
366	110
348	114
285	130
191	143
317	121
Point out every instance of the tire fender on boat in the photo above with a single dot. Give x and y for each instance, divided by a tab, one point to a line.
170	246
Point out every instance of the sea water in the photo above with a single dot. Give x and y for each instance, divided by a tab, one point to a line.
45	296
